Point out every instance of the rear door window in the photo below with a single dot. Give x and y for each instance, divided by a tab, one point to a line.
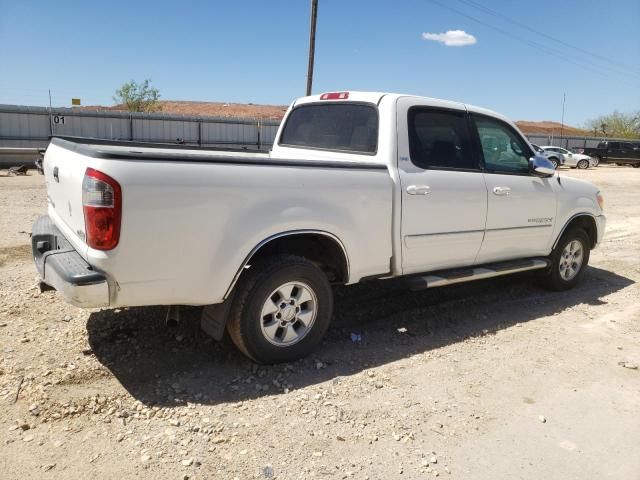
440	139
337	126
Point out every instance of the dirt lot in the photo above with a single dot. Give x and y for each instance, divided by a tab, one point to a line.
491	380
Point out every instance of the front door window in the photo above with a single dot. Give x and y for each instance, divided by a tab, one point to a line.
504	151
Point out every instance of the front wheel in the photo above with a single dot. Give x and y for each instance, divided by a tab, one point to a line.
554	162
636	165
281	309
582	164
568	260
596	161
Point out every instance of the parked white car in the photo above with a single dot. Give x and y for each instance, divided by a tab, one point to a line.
556	159
358	186
573	160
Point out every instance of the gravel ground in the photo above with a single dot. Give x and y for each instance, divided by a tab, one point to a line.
489	380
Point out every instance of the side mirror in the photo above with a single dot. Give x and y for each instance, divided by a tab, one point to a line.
541	166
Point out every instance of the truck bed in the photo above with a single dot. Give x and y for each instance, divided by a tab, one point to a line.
192	216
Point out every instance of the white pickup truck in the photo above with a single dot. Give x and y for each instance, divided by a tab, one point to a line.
358	186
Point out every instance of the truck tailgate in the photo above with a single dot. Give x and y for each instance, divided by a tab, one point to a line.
64	172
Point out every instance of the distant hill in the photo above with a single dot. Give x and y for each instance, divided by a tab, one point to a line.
550	128
276	112
213	109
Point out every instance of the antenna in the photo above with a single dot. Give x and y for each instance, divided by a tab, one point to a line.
564	97
558	169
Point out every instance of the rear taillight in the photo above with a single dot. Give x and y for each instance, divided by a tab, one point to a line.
102	205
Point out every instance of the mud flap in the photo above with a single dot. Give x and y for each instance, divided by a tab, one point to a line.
214	319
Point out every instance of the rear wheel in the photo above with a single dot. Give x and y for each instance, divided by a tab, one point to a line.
596	161
636	165
281	309
582	164
568	260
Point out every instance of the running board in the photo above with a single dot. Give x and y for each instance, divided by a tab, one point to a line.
459	275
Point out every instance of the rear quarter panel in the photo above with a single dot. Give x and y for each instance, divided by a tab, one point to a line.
188	227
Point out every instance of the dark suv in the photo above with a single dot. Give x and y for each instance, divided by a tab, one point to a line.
620	153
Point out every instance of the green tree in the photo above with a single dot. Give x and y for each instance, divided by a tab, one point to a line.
616	125
138	97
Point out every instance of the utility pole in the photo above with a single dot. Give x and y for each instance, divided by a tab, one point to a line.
564	96
50	115
312	44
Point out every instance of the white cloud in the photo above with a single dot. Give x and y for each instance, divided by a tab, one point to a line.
452	38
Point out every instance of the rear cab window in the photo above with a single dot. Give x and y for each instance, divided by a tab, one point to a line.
346	127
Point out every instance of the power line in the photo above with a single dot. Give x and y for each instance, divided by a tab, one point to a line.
630	70
532	43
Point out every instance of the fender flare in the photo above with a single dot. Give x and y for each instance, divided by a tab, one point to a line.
281	235
571	219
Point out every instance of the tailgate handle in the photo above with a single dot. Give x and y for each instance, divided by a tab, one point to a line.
55	174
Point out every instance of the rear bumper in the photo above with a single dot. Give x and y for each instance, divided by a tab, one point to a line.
62	268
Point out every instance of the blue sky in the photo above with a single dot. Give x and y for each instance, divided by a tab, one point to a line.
256	51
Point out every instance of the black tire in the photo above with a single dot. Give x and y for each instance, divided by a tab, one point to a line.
255	288
552	279
555	162
596	160
583	164
636	165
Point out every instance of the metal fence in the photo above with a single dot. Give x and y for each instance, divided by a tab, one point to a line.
569	142
22	126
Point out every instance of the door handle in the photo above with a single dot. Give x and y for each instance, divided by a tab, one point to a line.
502	191
418	190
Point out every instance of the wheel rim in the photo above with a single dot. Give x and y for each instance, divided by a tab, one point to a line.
288	314
571	260
583	164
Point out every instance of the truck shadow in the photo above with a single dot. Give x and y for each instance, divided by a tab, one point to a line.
161	366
